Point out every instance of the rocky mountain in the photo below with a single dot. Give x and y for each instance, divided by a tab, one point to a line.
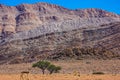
29	32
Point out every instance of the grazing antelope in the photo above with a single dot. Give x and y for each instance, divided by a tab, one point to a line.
24	75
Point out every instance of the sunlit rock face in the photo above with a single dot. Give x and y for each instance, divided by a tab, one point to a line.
28	30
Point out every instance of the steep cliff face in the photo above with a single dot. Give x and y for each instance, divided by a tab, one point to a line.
29	32
25	17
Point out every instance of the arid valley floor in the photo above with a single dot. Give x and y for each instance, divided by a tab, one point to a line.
60	77
71	70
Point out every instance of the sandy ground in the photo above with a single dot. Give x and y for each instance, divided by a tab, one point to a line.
58	77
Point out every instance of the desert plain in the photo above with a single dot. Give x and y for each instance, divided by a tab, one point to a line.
71	70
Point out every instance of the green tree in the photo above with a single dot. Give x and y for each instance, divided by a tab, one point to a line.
57	69
53	69
43	65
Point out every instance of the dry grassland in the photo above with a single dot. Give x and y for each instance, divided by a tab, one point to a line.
59	77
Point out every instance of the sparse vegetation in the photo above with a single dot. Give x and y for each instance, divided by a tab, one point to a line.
60	77
57	69
84	52
53	69
98	73
43	65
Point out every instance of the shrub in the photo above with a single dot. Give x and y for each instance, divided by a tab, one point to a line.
53	69
43	65
68	52
98	73
57	69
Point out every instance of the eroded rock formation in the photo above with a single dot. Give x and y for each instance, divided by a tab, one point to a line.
29	32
